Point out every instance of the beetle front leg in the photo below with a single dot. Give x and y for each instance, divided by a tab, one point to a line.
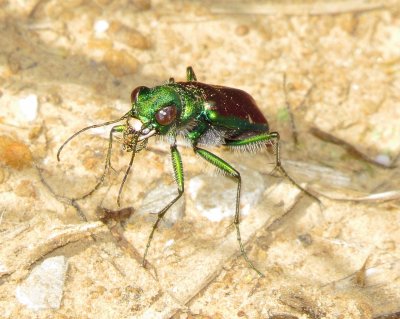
227	168
179	179
107	165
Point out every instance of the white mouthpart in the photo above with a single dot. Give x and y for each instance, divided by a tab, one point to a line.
136	125
142	137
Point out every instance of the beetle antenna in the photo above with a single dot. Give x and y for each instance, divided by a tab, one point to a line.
134	142
88	128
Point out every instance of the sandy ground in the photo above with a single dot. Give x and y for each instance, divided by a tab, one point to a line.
65	65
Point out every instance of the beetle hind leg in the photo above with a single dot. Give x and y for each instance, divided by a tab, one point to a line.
266	139
278	167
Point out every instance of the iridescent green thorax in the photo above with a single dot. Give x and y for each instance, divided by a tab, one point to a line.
192	101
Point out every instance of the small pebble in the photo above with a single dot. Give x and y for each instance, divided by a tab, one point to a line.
128	36
116	292
242	30
101	26
3	268
372	271
169	243
35	132
14	153
99	44
388	245
305	239
43	289
25	189
120	63
142	4
383	159
28	107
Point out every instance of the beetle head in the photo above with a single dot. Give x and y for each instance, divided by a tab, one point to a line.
155	111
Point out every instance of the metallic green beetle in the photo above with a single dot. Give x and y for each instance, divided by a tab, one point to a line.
204	115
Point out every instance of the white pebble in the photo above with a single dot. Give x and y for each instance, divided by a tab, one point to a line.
3	268
383	159
169	243
101	26
43	289
371	271
28	107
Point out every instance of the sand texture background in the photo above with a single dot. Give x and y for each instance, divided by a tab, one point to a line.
65	65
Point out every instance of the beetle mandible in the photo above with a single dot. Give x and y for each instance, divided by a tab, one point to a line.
204	115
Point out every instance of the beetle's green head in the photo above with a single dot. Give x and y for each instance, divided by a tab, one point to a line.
158	109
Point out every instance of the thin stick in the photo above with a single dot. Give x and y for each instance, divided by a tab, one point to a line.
290	112
352	150
295	133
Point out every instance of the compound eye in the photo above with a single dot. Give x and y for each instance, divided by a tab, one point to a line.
166	115
135	93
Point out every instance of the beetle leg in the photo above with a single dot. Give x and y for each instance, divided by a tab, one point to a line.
179	179
278	166
134	144
190	76
265	137
227	168
171	80
107	165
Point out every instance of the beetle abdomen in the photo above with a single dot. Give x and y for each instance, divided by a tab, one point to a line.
229	102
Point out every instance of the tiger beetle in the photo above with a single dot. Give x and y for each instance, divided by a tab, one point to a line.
204	115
